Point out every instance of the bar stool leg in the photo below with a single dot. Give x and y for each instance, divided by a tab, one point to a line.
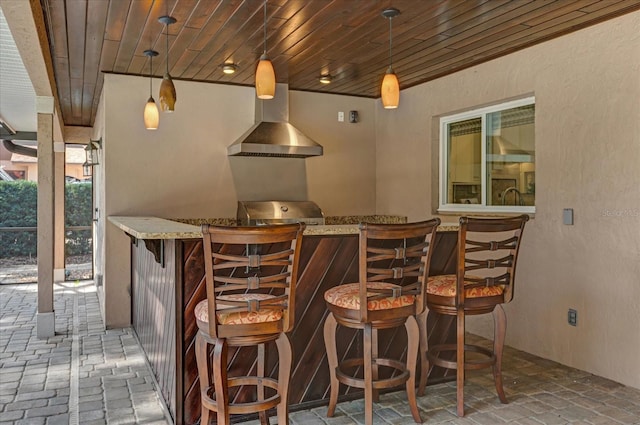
374	365
284	372
204	374
264	418
424	347
460	363
220	350
368	374
412	356
330	326
500	330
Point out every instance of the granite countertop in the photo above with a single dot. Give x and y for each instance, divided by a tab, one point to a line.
354	229
156	228
160	228
328	220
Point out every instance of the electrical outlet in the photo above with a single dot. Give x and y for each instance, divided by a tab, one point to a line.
341	116
572	317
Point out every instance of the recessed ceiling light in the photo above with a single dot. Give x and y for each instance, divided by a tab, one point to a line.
325	79
229	68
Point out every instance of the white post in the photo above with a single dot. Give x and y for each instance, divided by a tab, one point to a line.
58	234
45	318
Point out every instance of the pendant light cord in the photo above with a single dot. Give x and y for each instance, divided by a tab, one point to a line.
167	37
167	26
150	76
265	27
390	43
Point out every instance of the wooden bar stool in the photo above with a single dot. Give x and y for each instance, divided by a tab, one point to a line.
250	279
393	267
484	279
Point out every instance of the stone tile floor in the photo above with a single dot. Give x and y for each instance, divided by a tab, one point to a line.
88	375
82	375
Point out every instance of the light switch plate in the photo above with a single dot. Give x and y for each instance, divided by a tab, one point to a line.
567	216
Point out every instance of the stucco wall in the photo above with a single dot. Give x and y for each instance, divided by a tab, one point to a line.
182	169
100	222
587	89
342	180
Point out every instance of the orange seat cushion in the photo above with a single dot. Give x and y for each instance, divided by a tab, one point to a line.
348	296
241	318
445	286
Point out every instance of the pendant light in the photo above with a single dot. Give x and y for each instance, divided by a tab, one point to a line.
390	90
265	75
151	117
167	89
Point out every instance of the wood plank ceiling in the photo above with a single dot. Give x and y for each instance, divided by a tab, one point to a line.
348	39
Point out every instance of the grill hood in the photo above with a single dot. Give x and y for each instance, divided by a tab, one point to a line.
272	135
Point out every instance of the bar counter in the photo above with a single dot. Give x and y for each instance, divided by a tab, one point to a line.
167	281
160	228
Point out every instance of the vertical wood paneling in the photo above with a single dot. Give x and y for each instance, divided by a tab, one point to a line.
154	315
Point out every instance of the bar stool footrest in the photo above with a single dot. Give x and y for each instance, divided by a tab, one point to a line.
488	360
209	401
377	384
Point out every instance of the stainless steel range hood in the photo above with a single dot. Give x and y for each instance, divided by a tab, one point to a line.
272	135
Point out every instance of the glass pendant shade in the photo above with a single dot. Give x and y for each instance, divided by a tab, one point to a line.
265	79
151	115
390	91
265	75
167	94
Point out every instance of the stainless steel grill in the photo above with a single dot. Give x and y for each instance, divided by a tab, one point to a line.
261	213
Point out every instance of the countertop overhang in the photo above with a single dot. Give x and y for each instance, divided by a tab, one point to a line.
155	228
161	228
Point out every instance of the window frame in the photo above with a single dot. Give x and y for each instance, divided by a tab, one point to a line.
443	205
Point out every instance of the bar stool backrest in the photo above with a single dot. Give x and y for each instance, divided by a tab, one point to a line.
398	254
252	270
487	254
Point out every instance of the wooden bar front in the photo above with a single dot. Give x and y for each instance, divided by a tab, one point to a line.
326	261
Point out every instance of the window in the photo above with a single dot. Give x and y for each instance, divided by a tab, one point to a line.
487	159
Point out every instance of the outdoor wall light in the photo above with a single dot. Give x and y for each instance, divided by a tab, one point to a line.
91	152
91	156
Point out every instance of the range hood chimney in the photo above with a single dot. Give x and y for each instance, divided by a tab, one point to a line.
272	135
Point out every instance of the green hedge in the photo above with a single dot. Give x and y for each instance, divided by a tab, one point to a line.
19	208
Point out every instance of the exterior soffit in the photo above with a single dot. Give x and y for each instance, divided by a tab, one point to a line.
29	32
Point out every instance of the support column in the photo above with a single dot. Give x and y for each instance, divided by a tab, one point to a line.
58	237
45	318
